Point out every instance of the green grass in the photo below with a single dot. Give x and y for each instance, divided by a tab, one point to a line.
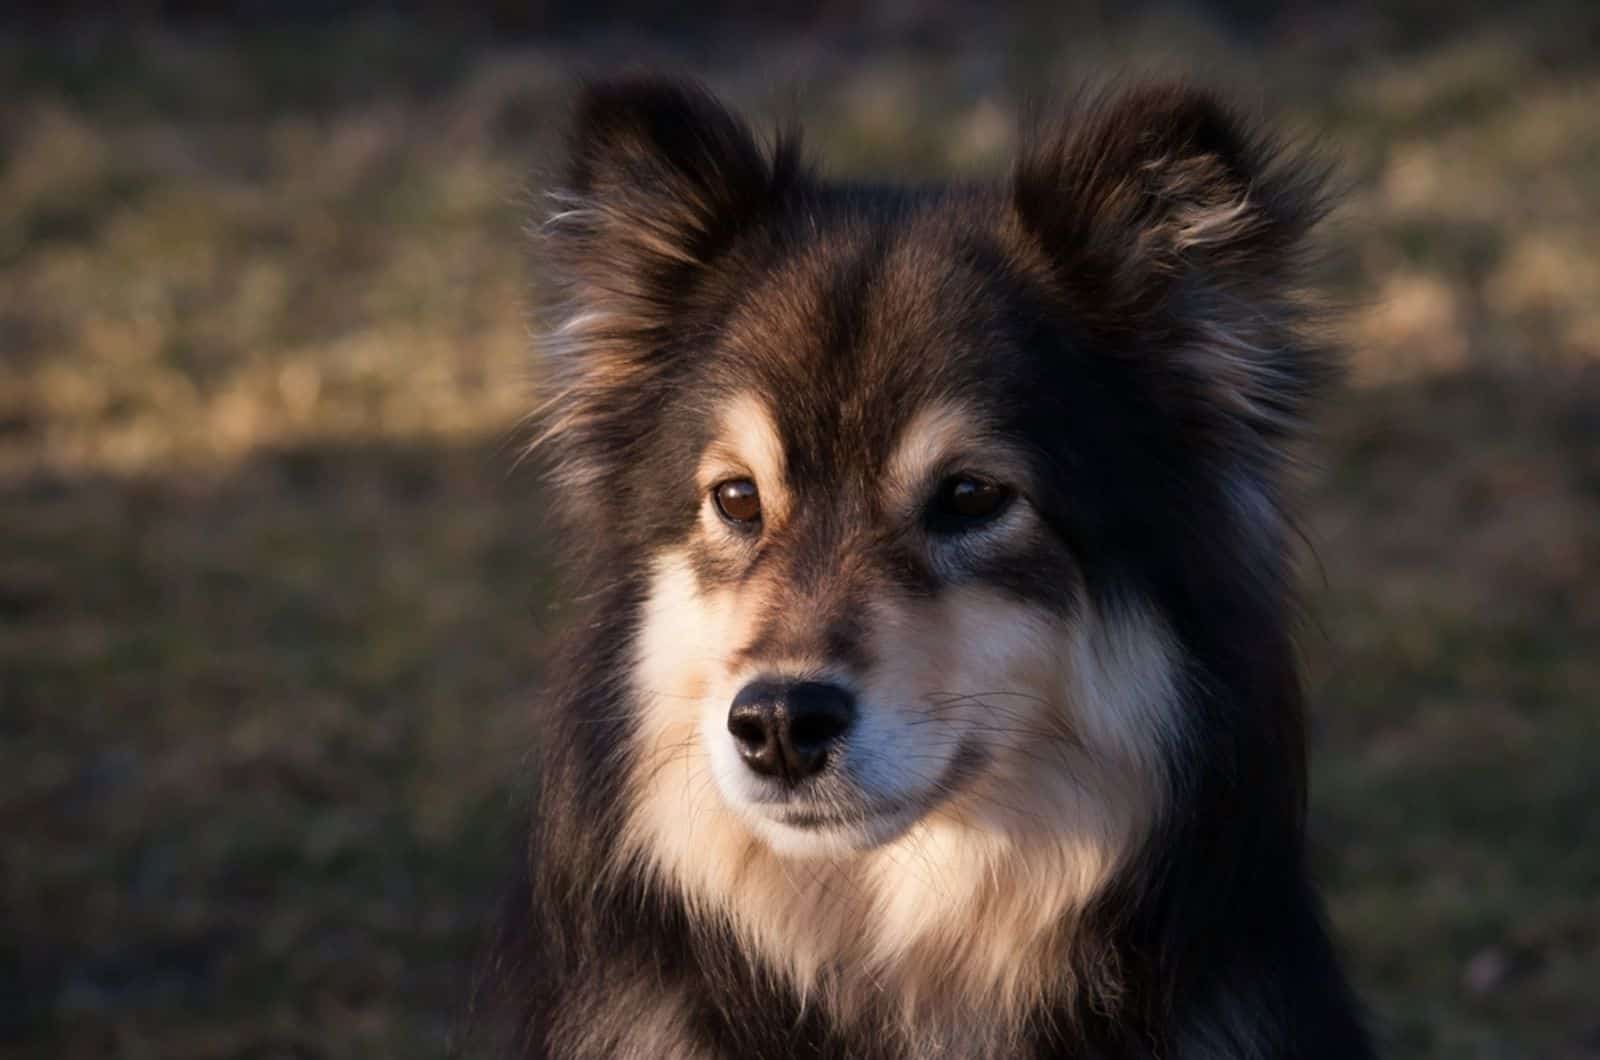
273	599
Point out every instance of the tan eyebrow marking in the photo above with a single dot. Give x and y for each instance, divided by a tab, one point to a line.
927	441
953	437
936	436
747	443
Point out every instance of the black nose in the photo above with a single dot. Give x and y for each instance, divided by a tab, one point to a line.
786	730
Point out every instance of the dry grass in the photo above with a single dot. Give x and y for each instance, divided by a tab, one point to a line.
271	599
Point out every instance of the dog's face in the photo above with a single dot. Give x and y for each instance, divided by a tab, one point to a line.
870	603
911	483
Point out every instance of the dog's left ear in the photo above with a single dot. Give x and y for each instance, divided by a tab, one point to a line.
660	178
1165	214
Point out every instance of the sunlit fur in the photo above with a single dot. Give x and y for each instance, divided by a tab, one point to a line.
961	907
1065	820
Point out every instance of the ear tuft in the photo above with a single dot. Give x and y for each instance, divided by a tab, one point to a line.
1163	214
660	178
1163	182
661	181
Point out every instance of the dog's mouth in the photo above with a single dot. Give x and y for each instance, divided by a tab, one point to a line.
807	820
820	811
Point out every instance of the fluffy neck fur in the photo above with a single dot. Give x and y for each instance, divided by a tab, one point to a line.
1207	957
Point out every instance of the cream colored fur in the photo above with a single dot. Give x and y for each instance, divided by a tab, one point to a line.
960	913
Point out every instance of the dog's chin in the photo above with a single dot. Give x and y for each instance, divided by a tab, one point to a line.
792	832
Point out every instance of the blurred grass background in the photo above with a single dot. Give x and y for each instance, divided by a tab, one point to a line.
273	600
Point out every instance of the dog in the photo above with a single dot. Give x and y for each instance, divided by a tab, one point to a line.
933	692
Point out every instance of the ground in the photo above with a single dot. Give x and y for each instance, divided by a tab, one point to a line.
274	593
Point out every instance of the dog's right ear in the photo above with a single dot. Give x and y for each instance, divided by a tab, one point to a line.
660	178
660	181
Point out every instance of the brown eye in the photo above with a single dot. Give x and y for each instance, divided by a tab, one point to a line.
738	500
965	502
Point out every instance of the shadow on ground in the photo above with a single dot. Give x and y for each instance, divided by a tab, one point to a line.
262	733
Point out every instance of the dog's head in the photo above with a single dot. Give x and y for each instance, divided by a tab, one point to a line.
927	495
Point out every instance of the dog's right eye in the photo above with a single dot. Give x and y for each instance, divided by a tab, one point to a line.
738	501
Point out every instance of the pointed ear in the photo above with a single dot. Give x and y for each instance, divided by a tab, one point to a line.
660	177
1159	181
1162	212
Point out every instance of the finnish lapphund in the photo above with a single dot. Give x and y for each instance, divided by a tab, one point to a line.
932	691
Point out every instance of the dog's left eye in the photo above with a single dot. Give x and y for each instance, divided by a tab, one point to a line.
738	501
966	501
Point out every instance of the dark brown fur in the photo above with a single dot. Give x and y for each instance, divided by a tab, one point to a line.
1125	310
